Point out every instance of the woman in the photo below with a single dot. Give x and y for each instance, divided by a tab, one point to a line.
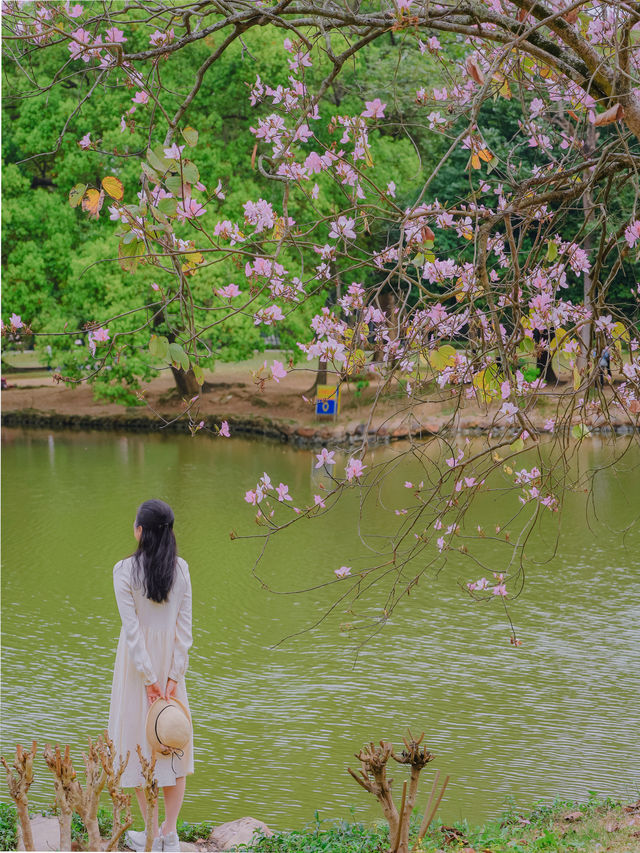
153	593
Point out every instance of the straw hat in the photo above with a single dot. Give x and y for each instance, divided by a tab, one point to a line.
168	726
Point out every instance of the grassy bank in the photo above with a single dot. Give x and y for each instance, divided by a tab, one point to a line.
597	825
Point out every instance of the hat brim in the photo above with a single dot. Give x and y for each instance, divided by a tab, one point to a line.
150	724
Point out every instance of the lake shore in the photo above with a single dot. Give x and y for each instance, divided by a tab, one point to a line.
593	826
283	411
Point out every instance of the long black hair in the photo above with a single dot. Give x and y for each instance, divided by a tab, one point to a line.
155	561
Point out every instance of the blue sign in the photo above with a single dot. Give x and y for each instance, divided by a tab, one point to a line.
326	407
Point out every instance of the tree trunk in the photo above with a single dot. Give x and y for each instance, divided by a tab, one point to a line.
386	303
186	382
543	356
588	283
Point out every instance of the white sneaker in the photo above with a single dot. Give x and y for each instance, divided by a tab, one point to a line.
172	842
137	840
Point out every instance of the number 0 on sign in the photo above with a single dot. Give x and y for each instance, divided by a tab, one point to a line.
327	400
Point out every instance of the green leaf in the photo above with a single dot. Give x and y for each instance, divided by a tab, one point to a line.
174	184
129	254
129	237
168	206
190	172
198	372
159	162
517	445
580	431
190	136
552	252
153	176
159	347
178	356
76	193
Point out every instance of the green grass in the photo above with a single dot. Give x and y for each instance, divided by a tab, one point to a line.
560	827
8	827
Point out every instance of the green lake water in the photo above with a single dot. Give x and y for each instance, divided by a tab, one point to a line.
276	725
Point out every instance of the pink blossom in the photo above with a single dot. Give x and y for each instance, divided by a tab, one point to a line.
505	390
230	291
159	38
140	98
85	142
441	544
189	210
632	233
269	315
354	469
325	457
16	321
374	109
391	189
317	499
343	227
278	371
224	429
500	589
115	36
470	482
74	11
250	497
403	5
509	410
408	485
174	152
342	572
549	425
97	336
81	39
283	492
260	214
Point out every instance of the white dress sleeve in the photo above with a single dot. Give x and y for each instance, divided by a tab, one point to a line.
131	625
183	638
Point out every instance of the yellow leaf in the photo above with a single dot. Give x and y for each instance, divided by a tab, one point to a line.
92	202
505	90
113	187
475	161
577	379
620	333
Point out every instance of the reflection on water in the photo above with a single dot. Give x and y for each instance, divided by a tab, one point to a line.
276	727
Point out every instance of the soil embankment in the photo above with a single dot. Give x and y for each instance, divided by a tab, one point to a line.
282	411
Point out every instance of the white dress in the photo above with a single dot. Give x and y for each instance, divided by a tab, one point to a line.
153	646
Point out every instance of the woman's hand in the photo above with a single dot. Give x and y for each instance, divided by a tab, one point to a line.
170	692
154	691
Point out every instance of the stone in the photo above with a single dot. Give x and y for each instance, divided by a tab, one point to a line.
229	835
46	833
306	432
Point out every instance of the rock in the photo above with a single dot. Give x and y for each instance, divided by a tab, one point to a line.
46	833
186	845
306	432
400	432
228	835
